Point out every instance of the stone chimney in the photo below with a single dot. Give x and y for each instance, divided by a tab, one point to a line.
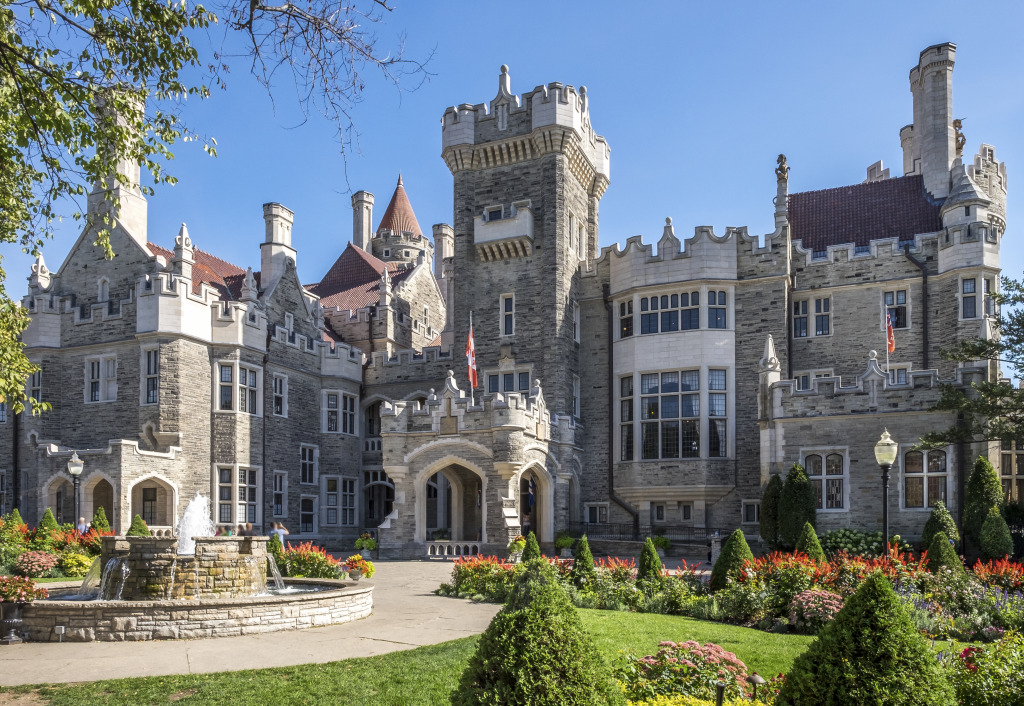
276	249
362	219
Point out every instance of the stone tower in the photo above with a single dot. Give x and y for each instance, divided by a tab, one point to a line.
529	172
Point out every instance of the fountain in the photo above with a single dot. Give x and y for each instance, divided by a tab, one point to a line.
190	586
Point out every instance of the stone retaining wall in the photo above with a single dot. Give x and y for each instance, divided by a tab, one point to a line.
115	621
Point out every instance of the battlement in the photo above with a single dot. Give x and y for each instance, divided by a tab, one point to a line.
532	115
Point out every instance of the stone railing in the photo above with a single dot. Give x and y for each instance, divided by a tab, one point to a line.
447	548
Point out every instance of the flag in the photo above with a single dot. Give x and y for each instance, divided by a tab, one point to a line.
890	335
471	358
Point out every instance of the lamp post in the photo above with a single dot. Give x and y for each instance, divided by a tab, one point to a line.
75	466
885	455
757	680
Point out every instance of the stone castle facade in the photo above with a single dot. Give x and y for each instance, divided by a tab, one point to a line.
655	384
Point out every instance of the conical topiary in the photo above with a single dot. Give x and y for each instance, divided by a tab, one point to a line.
869	654
15	518
532	549
939	521
99	520
942	555
796	507
48	523
583	571
536	651
808	543
770	511
139	528
983	491
650	567
996	542
735	552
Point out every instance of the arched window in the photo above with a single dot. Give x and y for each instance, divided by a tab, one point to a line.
103	290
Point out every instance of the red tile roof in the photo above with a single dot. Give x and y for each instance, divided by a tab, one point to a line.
398	217
222	276
858	214
353	281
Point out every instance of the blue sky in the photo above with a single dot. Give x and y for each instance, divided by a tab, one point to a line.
695	99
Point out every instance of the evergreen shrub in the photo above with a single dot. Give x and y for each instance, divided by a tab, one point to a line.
797	506
139	528
650	567
583	572
730	562
869	654
941	555
996	542
532	549
939	521
808	543
983	491
49	522
770	511
99	520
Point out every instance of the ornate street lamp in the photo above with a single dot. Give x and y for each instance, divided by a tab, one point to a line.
75	466
885	455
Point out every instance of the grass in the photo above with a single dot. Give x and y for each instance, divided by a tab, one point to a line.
425	675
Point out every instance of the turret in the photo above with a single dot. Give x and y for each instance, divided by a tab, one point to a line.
181	263
276	249
444	247
399	237
362	219
931	139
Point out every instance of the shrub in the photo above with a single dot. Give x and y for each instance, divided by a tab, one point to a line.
536	651
661	542
770	511
48	522
796	506
939	521
563	540
17	589
983	491
14	518
583	567
139	528
35	564
72	564
810	611
485	575
12	538
685	668
942	555
730	562
742	603
857	543
808	543
992	675
679	700
996	542
99	520
276	550
650	567
532	548
870	654
311	561
1007	575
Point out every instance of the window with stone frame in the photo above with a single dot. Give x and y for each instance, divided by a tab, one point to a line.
332	500
348	502
718	446
576	322
3	412
238	495
35	385
1011	470
899	374
968	298
280	395
576	396
665	313
626	319
226	386
829	477
308	461
717	309
626	418
751	512
508	314
595	513
151	375
101	379
280	494
307	515
800	319
989	284
804	378
248	390
670	415
823	316
896	308
348	414
925	479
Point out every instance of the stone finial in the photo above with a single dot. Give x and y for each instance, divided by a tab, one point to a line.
505	82
40	277
318	316
960	139
669	228
782	170
769	362
250	292
872	355
182	242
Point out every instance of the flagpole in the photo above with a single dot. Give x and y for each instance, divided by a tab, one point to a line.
886	329
472	402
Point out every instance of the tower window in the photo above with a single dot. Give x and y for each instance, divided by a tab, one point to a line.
508	314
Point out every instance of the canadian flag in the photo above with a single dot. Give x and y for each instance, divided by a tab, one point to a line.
890	335
471	358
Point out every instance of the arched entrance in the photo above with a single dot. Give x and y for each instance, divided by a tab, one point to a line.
60	499
153	499
450	501
378	497
439	507
97	493
535	503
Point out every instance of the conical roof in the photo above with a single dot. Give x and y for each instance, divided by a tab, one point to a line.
399	217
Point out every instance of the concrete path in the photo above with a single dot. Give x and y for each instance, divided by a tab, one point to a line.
406	614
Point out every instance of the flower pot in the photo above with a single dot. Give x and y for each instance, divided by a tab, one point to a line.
514	557
566	553
661	553
355	574
11	623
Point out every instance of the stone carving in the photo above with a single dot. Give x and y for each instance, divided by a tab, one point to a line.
782	171
960	139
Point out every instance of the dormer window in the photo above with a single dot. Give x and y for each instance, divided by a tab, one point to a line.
494	214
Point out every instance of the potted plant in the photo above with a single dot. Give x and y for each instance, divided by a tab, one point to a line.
366	542
358	567
563	543
661	544
15	592
516	547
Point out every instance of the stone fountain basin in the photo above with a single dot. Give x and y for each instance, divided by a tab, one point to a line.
332	602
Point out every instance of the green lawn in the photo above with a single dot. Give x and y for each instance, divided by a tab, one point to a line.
425	675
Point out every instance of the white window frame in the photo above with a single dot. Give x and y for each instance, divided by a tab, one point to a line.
309	456
327	506
811	376
146	375
349	414
289	322
598	507
756	504
811	316
900	469
279	381
234	501
236	386
106	382
506	315
280	481
325	411
885	308
576	322
825	452
977	294
349	512
35	385
894	373
315	513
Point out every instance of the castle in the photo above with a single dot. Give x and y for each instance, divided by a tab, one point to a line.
655	384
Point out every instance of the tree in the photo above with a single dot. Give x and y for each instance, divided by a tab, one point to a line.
983	491
49	522
735	552
139	528
996	542
941	555
870	654
770	511
532	549
991	410
583	572
796	506
89	89
939	521
808	543
650	566
99	520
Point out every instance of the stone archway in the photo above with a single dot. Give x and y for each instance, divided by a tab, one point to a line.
154	499
535	502
464	504
98	492
60	499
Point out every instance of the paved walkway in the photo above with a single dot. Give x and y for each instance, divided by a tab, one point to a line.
406	614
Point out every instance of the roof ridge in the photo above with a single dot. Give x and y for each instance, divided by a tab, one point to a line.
859	184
